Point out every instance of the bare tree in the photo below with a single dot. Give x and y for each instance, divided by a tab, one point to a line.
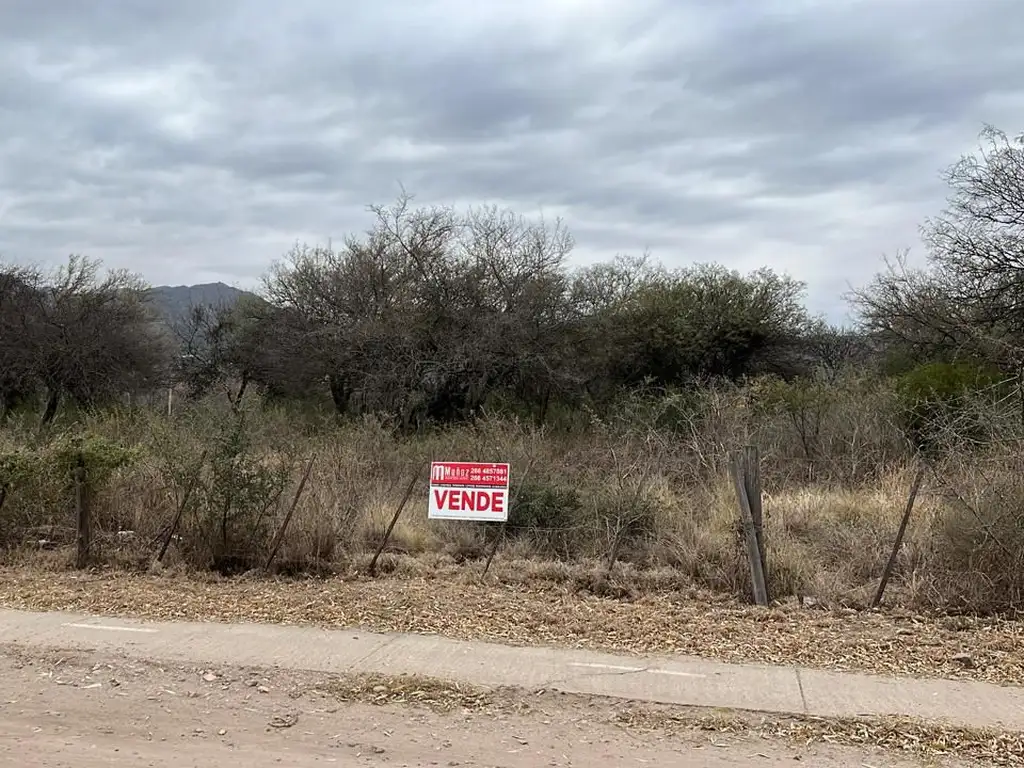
88	337
432	311
210	347
433	314
342	308
831	350
915	312
969	299
18	288
978	241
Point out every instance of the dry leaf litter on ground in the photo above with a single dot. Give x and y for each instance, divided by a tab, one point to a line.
906	735
533	614
894	734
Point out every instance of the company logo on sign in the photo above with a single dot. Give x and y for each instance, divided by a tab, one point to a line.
468	491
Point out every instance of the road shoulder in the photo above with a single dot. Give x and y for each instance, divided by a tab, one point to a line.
100	708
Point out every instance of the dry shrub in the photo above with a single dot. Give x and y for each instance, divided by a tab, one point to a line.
651	480
464	542
699	536
550	517
136	500
309	546
841	430
976	562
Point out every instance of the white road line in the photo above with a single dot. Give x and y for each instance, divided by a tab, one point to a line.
617	668
613	667
674	673
106	628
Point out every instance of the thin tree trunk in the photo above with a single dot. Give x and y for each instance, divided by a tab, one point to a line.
52	403
237	401
904	522
84	537
1020	391
339	393
545	403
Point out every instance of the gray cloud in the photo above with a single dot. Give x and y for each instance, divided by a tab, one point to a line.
197	140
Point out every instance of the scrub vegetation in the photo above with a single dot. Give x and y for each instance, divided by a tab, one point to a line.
617	392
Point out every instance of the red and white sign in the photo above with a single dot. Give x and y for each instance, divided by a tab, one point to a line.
461	490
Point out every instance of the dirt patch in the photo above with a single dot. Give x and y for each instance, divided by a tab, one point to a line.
550	614
102	709
898	734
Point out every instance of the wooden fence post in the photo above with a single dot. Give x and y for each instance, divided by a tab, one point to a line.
84	524
752	483
887	571
193	479
754	555
500	537
613	554
394	521
279	537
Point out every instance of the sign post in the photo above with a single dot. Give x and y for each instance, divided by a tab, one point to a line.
461	490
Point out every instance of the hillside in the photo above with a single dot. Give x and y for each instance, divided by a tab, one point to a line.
174	301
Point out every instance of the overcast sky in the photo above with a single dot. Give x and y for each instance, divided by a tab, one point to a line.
197	140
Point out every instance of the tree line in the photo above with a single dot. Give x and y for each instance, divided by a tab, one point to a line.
434	316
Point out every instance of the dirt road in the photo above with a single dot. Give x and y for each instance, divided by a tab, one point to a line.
91	709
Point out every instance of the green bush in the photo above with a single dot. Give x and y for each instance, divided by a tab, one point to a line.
38	480
99	456
806	403
233	502
935	403
16	465
549	515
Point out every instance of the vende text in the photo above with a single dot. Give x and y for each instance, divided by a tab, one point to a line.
463	500
469	490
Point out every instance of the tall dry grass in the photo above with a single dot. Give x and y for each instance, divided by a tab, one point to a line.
836	471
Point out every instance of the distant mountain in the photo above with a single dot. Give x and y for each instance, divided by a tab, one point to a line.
174	301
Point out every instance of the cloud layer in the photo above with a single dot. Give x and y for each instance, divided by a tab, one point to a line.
197	141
